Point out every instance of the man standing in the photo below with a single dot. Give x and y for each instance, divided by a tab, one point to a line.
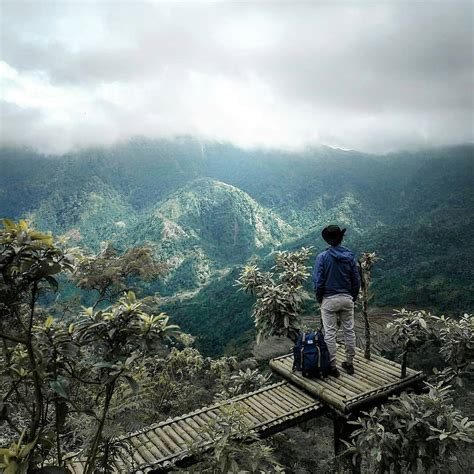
336	283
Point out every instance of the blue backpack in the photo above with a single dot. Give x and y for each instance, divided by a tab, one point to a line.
311	355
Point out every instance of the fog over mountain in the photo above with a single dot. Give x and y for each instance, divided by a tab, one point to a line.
373	77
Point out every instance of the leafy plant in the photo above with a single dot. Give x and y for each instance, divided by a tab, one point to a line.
410	329
231	435
415	433
53	368
109	273
29	263
244	381
279	293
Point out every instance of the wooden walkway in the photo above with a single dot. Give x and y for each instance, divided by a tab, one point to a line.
176	442
373	381
167	444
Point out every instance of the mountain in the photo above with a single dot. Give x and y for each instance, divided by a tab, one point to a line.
204	226
208	208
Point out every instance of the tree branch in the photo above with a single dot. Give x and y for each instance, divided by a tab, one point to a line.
11	338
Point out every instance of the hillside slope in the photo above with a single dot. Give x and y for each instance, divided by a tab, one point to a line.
208	208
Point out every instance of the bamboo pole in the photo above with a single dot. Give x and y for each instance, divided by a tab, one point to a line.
197	419
136	455
171	443
155	451
394	364
276	409
198	428
191	432
344	390
374	376
290	390
266	408
159	445
208	419
311	387
214	414
173	433
142	451
296	392
290	399
378	367
281	401
369	399
249	411
256	411
321	382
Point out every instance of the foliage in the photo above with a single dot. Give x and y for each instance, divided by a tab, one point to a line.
420	432
55	370
399	205
279	293
415	433
409	329
412	328
458	339
244	381
109	273
232	453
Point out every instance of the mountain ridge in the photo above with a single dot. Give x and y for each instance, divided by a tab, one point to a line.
209	209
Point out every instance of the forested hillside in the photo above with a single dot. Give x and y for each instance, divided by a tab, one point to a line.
207	208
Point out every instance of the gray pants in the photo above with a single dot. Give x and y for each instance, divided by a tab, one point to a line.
333	307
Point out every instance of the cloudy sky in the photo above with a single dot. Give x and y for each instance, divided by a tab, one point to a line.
372	76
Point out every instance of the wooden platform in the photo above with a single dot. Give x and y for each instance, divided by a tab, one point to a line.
372	382
167	444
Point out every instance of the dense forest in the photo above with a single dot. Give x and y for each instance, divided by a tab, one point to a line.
207	208
155	277
75	378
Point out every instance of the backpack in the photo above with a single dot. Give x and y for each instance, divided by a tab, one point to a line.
311	355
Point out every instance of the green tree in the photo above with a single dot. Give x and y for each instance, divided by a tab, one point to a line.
366	262
55	370
109	273
415	433
420	432
279	293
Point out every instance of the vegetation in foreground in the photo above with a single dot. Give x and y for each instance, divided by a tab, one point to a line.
76	378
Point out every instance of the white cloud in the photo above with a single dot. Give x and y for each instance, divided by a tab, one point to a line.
373	77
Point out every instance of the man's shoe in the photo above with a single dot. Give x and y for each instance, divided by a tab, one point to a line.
334	371
349	368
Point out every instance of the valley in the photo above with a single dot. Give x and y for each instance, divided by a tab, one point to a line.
208	208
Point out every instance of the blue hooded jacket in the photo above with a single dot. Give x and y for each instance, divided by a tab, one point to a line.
336	272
